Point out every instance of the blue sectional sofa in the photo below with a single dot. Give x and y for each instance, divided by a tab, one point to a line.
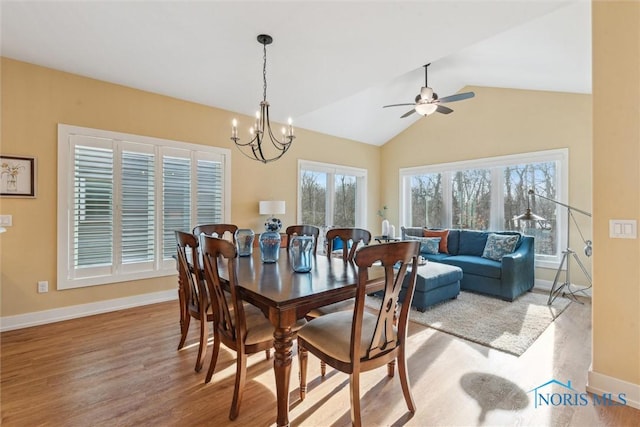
507	278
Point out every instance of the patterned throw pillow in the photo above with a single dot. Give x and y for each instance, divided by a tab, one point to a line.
499	245
444	237
428	245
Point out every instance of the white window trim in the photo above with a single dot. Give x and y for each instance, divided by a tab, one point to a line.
65	203
360	174
560	155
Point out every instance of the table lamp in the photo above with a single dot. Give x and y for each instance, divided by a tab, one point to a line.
271	208
270	239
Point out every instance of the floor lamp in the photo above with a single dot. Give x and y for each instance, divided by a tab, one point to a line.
556	289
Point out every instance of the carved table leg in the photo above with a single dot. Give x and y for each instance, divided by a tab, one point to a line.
283	343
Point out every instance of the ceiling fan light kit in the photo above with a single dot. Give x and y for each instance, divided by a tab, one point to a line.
427	101
261	131
426	109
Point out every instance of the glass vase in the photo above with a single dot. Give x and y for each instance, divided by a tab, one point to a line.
300	252
244	241
270	246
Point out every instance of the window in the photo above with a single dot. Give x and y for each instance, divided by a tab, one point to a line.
488	194
122	196
331	195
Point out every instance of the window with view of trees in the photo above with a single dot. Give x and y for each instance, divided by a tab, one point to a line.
123	196
489	194
331	195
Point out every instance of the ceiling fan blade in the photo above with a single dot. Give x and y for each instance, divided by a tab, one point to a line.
457	97
396	105
444	110
408	113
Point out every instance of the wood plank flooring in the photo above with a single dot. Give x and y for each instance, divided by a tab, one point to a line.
123	369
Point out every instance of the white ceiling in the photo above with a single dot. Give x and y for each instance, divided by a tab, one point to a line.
332	65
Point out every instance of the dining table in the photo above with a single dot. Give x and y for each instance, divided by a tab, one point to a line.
286	296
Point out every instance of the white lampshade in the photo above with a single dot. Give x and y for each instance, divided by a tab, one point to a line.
426	109
272	207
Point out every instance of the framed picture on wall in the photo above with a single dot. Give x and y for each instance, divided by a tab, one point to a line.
17	176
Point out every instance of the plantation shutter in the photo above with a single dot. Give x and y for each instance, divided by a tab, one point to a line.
92	213
209	192
138	207
176	196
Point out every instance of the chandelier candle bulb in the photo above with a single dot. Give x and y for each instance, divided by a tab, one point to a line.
234	128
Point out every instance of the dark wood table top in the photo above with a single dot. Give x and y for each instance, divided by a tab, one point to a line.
276	285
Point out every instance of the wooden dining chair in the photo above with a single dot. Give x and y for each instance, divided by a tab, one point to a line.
359	341
350	239
240	326
192	293
304	230
216	230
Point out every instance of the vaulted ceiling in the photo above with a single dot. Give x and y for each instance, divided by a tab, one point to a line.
332	65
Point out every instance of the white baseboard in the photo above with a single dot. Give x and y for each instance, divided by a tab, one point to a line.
8	323
545	286
600	384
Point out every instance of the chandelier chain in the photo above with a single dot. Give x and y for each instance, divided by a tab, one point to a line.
264	72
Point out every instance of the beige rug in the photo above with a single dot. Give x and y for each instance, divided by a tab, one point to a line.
506	326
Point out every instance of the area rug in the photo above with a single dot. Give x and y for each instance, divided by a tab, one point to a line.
506	326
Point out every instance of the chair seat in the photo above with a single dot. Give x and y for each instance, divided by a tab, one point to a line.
332	333
259	328
346	305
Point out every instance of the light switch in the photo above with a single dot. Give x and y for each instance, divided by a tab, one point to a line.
6	220
623	228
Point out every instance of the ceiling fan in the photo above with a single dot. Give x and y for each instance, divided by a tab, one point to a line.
427	101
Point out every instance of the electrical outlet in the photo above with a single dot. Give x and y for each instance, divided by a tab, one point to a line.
6	220
43	286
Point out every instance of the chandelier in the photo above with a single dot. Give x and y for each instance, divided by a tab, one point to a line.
261	135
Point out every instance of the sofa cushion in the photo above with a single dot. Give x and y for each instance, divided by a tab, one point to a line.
453	242
435	257
499	245
472	242
476	265
444	236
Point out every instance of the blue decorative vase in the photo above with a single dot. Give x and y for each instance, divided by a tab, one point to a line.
301	250
270	246
244	241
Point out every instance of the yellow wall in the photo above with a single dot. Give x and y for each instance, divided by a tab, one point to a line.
616	193
500	122
36	99
496	122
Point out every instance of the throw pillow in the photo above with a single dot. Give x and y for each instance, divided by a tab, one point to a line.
443	235
499	245
428	245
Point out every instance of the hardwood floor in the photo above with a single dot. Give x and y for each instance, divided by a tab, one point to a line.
123	369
